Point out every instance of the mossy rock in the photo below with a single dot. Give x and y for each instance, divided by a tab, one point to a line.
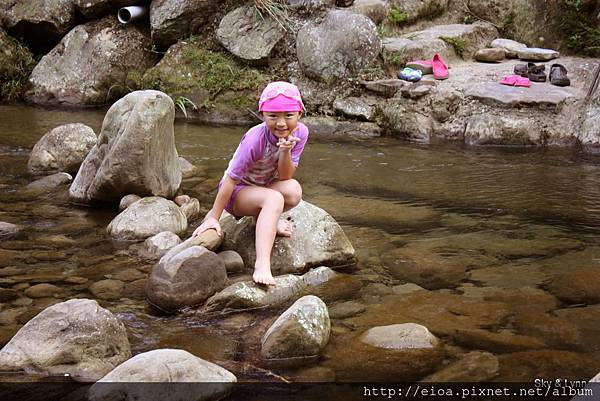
210	80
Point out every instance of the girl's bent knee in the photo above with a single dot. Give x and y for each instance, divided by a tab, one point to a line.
274	201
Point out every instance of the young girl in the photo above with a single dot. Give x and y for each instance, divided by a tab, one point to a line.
258	181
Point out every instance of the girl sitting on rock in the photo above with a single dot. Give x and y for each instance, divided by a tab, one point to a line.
258	181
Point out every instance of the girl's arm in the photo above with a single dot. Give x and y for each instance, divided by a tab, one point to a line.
285	167
212	217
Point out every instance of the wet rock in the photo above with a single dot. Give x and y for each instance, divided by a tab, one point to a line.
584	319
92	9
328	126
475	366
8	229
203	380
537	54
522	299
385	87
191	209
157	245
502	341
62	149
495	94
88	61
7	295
232	260
341	45
41	23
50	182
346	309
107	289
511	47
317	240
355	107
209	239
44	290
128	275
555	331
249	35
519	366
146	218
76	280
188	170
509	276
302	330
119	163
77	337
186	278
406	288
136	289
317	276
577	286
58	241
315	374
174	20
127	201
377	10
491	55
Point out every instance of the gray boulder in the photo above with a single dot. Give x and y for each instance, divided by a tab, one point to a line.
494	130
89	61
249	295
589	136
188	170
171	20
248	35
147	217
377	10
302	330
511	47
317	240
232	260
339	46
419	9
157	245
93	9
355	107
62	149
195	378
50	182
191	209
135	152
537	54
127	201
186	278
41	22
77	337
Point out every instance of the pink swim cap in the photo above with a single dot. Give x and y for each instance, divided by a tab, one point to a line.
280	97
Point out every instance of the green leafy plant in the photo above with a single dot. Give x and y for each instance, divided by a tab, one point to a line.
459	44
580	27
182	102
18	63
276	9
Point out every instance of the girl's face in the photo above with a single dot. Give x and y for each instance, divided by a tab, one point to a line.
281	124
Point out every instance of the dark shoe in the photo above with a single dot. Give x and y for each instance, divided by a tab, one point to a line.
536	73
558	75
521	69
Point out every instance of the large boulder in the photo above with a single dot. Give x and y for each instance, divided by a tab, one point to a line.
377	10
42	23
93	9
317	240
494	130
62	149
339	46
414	10
172	20
147	217
77	337
195	379
302	330
186	278
248	35
89	63
135	152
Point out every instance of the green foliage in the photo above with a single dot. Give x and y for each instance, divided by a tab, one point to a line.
182	102
459	44
580	27
393	59
468	19
397	16
16	64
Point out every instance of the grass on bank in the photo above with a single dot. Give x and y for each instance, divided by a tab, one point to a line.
16	65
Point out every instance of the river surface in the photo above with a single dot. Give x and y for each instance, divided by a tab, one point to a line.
504	242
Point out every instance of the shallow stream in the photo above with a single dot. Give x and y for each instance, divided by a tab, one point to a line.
505	243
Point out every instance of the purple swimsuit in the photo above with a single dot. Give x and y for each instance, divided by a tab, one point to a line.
256	157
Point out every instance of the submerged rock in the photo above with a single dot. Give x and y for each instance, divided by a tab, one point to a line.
580	285
50	182
90	60
135	152
302	330
147	217
107	289
475	366
193	378
62	149
317	240
77	337
185	278
341	45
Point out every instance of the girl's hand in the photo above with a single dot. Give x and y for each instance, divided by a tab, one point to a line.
288	143
207	224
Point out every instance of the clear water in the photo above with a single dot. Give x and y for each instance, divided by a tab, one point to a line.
505	242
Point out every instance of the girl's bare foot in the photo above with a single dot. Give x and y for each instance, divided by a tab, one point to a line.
284	228
262	273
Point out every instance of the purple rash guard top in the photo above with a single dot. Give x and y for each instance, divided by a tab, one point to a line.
256	157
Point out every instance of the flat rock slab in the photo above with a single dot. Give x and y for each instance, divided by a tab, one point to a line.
538	95
537	54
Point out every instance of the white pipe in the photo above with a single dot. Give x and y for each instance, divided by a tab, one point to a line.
132	13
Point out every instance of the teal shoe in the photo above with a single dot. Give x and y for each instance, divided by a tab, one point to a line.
411	75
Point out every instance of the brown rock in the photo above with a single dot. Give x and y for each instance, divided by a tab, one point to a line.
107	289
44	290
577	286
491	55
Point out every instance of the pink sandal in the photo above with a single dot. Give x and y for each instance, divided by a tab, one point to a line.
510	80
521	81
440	69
